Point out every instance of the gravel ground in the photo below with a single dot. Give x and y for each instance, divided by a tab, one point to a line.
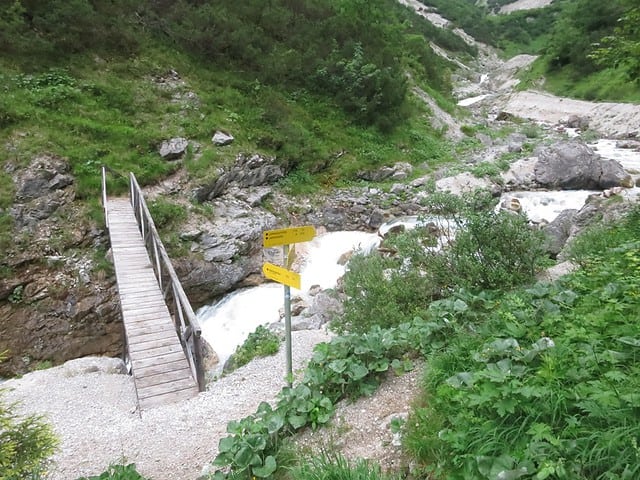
93	409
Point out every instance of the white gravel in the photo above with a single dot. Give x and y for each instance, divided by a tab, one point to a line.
94	412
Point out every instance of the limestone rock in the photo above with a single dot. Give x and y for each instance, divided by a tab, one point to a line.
221	138
558	231
572	165
174	148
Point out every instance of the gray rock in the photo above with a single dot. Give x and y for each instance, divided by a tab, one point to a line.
221	138
578	121
247	171
572	165
558	231
463	183
174	148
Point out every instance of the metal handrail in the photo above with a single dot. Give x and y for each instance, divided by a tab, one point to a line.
184	319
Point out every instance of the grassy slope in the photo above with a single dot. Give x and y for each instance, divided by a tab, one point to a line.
113	111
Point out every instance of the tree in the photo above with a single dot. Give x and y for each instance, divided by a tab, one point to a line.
26	443
622	49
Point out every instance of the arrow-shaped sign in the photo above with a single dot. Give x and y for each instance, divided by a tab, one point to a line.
281	275
285	236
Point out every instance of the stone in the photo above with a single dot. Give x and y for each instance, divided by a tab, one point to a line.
174	148
572	165
558	231
578	121
222	139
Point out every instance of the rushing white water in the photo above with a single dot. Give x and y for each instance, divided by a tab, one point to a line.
227	323
546	206
627	157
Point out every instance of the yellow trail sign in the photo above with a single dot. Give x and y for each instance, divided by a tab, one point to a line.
281	275
285	236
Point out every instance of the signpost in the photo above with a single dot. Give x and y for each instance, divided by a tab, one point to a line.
284	237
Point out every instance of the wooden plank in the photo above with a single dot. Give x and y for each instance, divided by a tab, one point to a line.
174	377
168	398
165	367
143	347
156	351
138	330
146	320
167	387
158	360
142	336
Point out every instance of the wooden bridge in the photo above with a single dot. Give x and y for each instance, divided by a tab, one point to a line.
162	333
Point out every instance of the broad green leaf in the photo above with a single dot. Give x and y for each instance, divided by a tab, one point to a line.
357	371
244	457
460	379
226	444
267	469
297	421
274	423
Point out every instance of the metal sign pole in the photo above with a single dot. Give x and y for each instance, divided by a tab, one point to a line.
287	321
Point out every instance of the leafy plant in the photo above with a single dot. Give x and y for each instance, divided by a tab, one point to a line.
539	382
117	472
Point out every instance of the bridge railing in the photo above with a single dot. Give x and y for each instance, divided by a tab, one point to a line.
184	319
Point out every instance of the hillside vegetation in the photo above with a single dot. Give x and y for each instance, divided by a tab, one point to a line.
308	82
589	49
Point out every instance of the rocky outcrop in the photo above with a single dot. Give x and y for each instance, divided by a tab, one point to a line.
572	165
247	171
227	250
50	318
55	304
41	189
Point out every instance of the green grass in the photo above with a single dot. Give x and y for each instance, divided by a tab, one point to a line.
607	85
335	467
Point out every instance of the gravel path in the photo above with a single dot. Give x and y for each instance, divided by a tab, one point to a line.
94	413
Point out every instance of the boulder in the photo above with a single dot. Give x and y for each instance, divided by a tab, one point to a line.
572	165
221	139
558	232
578	121
464	183
399	171
174	148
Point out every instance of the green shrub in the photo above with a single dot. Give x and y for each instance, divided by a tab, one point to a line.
166	214
260	343
490	251
26	443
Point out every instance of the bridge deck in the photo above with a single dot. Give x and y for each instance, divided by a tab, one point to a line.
160	368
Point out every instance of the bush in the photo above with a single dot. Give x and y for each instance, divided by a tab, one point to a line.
261	343
491	251
26	443
540	382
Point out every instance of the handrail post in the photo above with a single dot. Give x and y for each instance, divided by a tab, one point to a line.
104	196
